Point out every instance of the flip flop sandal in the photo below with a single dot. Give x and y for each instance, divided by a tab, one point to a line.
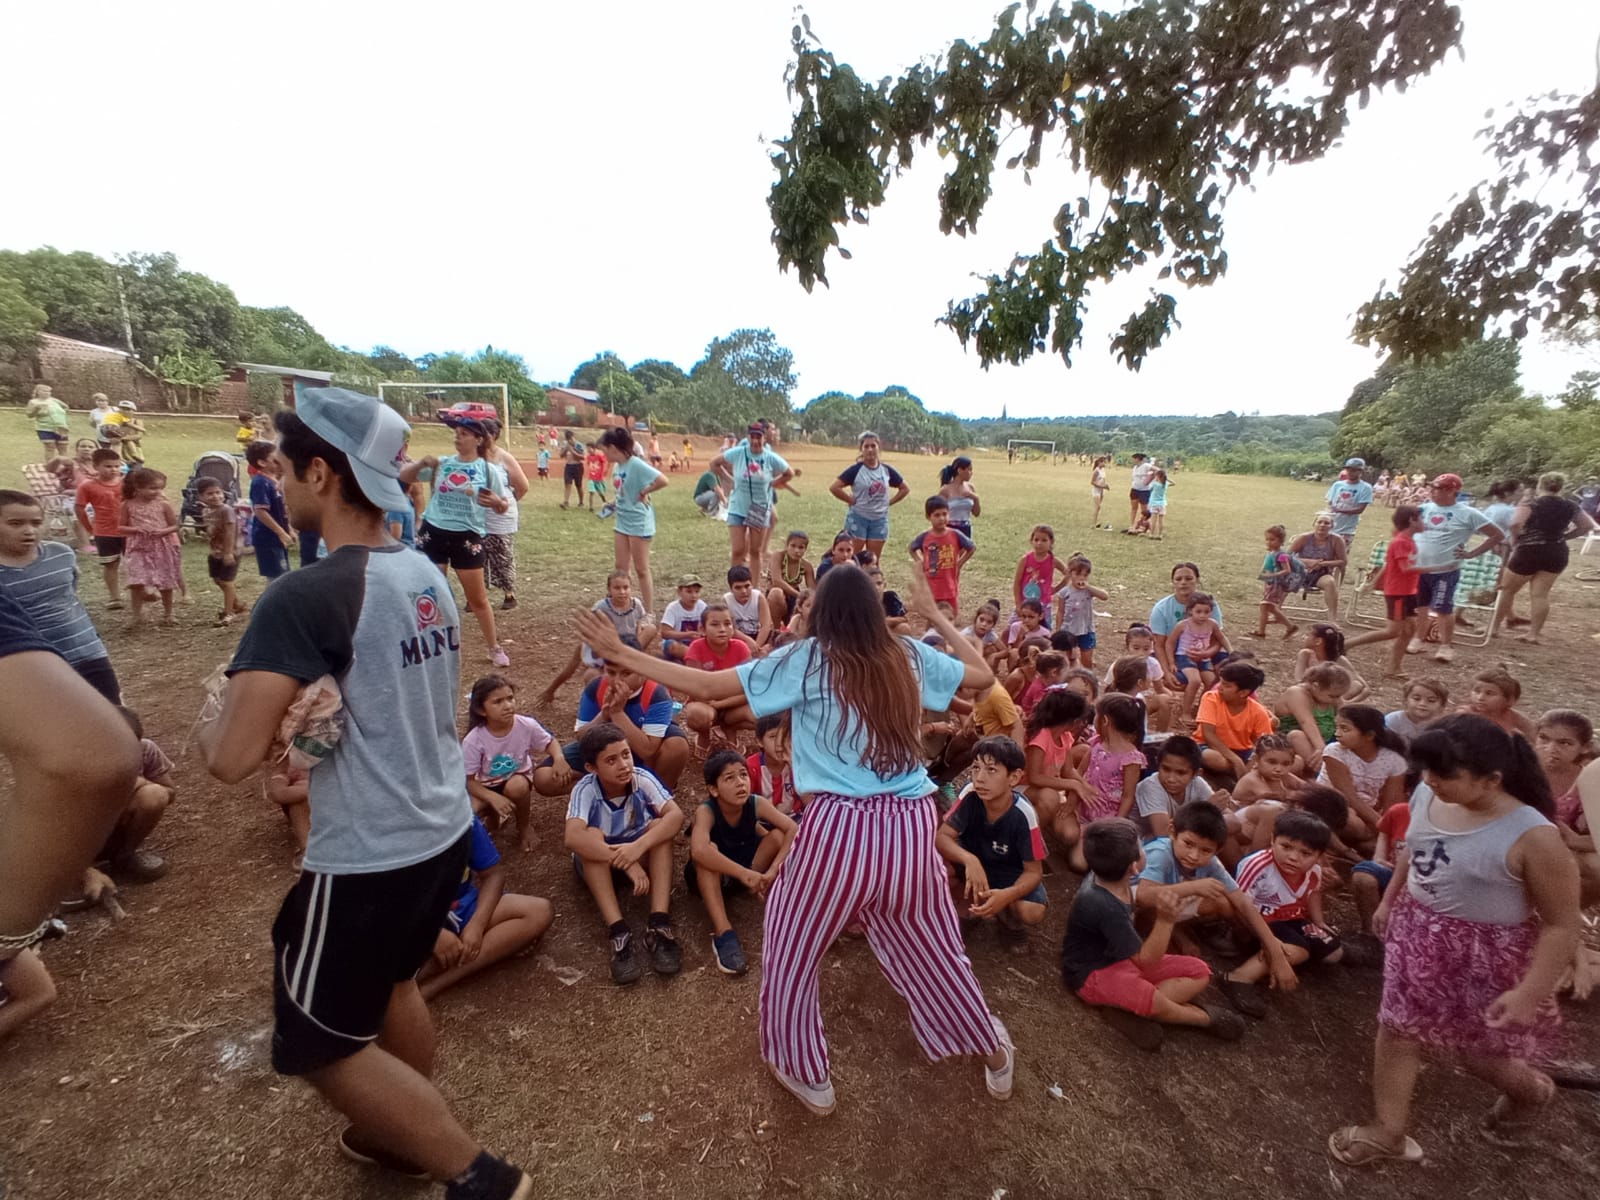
1354	1149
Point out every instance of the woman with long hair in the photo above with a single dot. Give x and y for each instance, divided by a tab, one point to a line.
955	485
755	471
1541	528
865	852
634	480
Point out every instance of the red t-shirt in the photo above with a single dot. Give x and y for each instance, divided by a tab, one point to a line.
701	653
106	499
1394	823
1400	576
941	560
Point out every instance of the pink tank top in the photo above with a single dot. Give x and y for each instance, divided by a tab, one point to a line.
1037	576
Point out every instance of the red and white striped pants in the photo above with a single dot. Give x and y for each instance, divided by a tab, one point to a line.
869	860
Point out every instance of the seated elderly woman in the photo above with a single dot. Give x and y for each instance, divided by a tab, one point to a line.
1323	553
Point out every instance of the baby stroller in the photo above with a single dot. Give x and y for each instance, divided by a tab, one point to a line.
218	465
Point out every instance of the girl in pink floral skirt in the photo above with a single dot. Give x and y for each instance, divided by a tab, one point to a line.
152	558
1480	920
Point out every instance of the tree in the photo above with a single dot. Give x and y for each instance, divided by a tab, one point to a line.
833	417
389	363
174	310
621	392
282	337
77	291
654	374
587	375
1519	247
489	366
755	363
1163	107
21	321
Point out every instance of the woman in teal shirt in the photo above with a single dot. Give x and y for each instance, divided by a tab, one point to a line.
634	480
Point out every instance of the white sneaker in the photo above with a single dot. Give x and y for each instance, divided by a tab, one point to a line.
999	1082
818	1099
1444	654
499	657
1415	646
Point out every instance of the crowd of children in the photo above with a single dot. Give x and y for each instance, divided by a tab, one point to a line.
1209	826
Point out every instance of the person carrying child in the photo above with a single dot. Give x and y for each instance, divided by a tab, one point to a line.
509	755
1479	923
1133	983
739	839
621	821
486	924
992	841
865	851
1075	611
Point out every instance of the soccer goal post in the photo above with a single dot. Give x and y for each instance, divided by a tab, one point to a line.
1026	446
410	407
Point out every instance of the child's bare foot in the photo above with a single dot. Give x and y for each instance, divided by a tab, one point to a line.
1258	633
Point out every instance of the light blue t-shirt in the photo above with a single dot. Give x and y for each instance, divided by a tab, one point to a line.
1167	612
1158	492
635	517
1161	867
1345	495
794	678
455	495
752	477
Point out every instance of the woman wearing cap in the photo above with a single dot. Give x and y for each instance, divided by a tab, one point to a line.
500	564
633	479
755	472
855	694
865	486
1542	527
465	488
1323	553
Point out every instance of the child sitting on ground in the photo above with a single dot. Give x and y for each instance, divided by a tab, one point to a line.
1424	703
748	608
771	767
1084	682
1113	759
1027	666
153	793
1230	719
683	619
1307	712
1325	644
1369	878
789	574
983	634
509	756
1054	787
1027	628
1130	676
1133	982
1253	826
485	924
618	815
1185	865
992	841
1495	693
1047	671
739	839
1271	775
1367	764
1200	648
622	609
1176	782
1284	882
718	650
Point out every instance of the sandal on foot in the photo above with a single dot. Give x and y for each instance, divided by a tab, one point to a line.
1355	1148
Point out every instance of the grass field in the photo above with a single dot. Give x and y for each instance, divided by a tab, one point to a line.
150	1076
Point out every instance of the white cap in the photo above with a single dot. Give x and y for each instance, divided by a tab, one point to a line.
371	434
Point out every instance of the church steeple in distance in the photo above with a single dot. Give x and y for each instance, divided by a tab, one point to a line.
1002	410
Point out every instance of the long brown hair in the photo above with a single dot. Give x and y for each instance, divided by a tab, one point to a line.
868	670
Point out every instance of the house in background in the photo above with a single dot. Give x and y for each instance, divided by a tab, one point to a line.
234	395
77	370
577	406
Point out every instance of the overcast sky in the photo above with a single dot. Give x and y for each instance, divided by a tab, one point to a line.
558	179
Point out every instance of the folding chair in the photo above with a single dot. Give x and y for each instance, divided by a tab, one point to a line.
1478	575
1304	604
1364	607
57	505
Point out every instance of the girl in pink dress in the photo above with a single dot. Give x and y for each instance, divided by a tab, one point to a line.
152	558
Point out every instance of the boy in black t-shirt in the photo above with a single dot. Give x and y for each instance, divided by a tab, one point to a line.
1132	982
738	840
992	840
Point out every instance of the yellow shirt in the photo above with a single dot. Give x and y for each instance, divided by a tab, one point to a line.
996	712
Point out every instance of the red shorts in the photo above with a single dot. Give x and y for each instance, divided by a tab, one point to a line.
1401	608
1129	985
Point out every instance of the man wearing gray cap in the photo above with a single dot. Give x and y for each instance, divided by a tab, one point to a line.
1348	499
390	815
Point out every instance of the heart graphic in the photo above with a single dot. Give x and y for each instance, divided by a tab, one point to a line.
1436	520
458	479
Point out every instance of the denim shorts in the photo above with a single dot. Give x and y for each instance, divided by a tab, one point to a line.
756	519
1377	870
1080	641
1183	662
1437	590
866	529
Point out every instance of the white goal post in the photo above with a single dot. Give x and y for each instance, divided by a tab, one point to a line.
505	399
1015	444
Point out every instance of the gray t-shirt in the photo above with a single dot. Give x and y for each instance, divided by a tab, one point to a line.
870	488
47	590
384	624
1149	798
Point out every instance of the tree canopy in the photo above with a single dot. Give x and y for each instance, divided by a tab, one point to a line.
1161	107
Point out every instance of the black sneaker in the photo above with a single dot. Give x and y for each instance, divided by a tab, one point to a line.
355	1149
729	953
625	964
665	956
1248	998
1226	1025
1141	1031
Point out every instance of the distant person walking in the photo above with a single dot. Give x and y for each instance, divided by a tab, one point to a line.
1348	498
1139	492
571	470
1447	527
49	418
1541	527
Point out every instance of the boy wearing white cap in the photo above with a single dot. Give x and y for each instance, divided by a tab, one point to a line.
389	808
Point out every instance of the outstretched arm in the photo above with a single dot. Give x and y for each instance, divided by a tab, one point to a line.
602	637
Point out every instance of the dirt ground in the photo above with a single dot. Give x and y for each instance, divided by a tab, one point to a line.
150	1077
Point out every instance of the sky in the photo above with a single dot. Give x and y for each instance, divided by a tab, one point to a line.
557	180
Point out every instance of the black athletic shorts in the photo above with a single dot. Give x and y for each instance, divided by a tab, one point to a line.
1308	935
109	549
98	674
458	548
1531	560
221	572
341	944
572	473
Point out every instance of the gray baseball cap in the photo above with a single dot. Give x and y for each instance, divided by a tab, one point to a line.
371	434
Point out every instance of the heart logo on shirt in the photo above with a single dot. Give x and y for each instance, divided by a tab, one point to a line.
1436	519
458	479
